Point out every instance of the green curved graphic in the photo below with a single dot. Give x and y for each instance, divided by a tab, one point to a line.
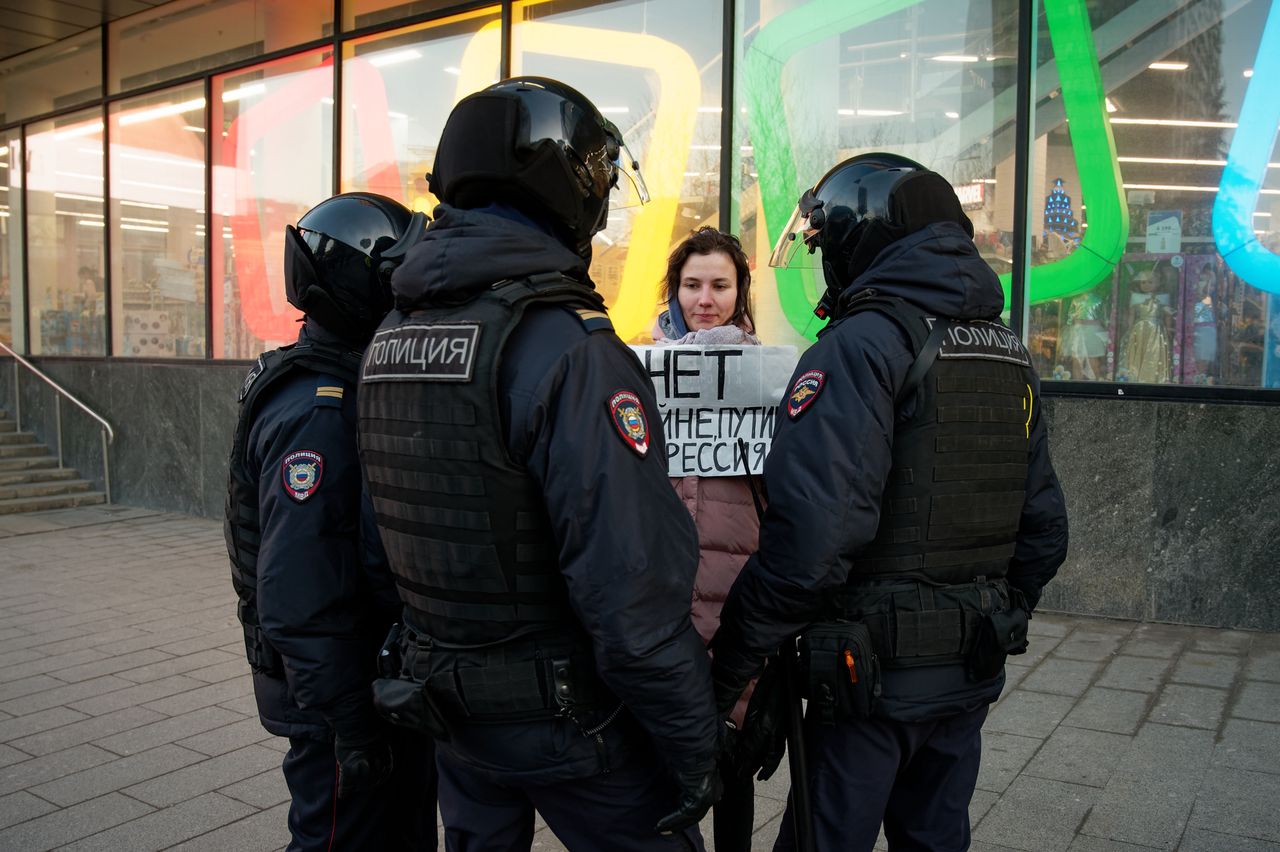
780	182
1083	100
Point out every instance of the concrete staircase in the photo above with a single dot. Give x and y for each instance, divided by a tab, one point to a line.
30	479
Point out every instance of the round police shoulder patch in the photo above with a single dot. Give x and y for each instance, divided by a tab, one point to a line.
300	474
804	392
628	418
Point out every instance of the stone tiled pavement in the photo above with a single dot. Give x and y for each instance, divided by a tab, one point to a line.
127	720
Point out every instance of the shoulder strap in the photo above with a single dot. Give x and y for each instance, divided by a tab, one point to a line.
913	321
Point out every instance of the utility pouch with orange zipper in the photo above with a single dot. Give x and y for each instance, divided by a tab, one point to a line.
839	671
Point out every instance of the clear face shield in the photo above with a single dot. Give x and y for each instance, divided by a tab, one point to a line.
797	246
629	189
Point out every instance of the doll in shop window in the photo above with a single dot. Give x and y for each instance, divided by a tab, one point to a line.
1203	330
1145	350
1083	347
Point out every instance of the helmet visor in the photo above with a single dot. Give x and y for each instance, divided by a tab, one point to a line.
797	246
631	192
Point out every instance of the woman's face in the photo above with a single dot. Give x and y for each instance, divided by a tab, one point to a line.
708	290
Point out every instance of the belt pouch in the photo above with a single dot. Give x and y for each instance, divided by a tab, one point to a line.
839	670
405	703
1000	633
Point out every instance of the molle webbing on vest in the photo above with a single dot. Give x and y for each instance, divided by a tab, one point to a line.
465	528
242	527
920	623
953	502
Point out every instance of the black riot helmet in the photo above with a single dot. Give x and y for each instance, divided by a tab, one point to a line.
539	145
339	259
857	210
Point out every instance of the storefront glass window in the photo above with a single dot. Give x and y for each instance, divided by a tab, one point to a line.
358	14
181	38
60	76
389	130
272	161
1154	184
653	67
11	311
157	224
65	235
824	80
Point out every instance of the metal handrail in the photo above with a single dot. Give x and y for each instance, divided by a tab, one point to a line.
108	434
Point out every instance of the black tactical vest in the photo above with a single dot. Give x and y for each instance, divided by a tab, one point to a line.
465	528
242	527
950	512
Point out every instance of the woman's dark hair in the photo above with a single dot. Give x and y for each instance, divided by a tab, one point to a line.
708	240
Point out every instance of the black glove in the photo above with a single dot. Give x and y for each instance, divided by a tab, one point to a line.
697	794
362	766
361	747
759	746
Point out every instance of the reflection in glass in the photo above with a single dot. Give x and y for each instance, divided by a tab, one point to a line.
272	161
157	224
65	74
389	130
65	235
11	310
653	68
179	38
819	82
1171	311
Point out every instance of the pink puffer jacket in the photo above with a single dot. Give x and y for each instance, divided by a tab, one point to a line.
728	532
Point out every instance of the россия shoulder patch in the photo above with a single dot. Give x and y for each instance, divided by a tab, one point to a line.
805	391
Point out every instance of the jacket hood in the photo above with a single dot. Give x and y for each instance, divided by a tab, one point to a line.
939	269
465	251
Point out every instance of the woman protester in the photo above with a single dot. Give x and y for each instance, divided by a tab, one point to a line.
707	292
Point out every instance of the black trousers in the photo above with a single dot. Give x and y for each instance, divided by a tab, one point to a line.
915	777
484	811
733	816
400	815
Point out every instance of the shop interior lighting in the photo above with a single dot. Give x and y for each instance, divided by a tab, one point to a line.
1179	187
870	113
1174	122
1168	66
1111	107
76	132
1248	72
954	57
4	149
161	112
615	110
248	90
92	223
146	204
397	57
1246	169
148	228
952	114
193	128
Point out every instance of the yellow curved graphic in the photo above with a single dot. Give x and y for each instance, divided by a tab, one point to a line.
663	160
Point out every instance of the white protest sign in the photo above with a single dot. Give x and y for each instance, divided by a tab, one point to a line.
709	397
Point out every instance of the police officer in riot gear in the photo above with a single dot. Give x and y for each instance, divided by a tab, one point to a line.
316	598
513	453
914	515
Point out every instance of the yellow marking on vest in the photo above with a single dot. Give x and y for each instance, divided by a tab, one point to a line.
587	314
330	391
1029	403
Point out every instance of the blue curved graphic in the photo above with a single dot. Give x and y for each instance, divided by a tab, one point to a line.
1246	169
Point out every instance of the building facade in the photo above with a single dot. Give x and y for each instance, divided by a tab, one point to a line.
1118	159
